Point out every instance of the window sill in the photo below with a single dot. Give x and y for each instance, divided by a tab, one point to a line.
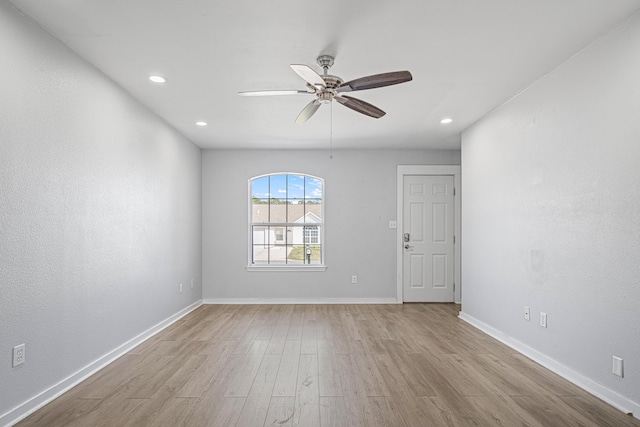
286	268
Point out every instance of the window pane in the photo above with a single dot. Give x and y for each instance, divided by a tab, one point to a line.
316	254
305	254
260	245
304	235
295	188
296	212
278	189
259	210
313	211
260	188
294	255
297	235
313	188
278	254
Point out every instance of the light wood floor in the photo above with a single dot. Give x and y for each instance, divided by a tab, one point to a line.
325	365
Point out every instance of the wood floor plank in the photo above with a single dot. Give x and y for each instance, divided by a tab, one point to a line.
503	411
440	415
368	371
173	413
247	369
329	365
415	379
307	406
602	415
287	376
211	367
332	412
295	325
549	410
266	375
546	379
325	316
62	413
141	415
276	346
254	411
281	411
329	379
384	412
309	343
215	411
463	375
353	391
283	321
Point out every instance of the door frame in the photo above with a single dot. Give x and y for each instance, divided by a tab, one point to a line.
450	170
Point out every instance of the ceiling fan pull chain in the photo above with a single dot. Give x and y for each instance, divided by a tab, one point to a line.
331	131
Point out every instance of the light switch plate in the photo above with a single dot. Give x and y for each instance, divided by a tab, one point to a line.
543	319
618	366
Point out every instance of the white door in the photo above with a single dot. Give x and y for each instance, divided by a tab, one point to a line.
428	240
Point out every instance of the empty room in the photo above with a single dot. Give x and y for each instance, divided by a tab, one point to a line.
215	213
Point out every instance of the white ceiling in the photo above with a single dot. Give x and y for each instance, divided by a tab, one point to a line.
467	57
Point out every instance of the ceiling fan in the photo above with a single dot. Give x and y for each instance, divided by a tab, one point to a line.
326	88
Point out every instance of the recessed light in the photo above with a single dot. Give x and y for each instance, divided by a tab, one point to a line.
201	123
157	79
446	120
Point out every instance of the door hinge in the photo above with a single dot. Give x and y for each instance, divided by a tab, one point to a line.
454	191
454	240
454	287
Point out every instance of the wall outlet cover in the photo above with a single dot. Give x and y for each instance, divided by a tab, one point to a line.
19	355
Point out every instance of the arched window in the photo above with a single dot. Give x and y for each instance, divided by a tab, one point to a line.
286	220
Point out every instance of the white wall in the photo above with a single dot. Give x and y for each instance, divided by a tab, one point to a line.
551	217
360	200
100	214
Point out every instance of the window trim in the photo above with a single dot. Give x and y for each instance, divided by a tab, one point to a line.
284	267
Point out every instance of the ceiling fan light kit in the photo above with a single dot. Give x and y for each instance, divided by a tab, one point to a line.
326	88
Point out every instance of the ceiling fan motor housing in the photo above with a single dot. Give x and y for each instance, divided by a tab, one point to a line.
331	84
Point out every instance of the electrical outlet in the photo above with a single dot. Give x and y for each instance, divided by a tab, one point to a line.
18	355
527	313
618	366
354	279
393	224
180	287
543	319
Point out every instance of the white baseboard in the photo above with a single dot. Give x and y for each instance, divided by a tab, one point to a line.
38	401
611	397
300	301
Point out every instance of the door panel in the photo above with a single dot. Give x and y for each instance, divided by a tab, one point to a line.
428	218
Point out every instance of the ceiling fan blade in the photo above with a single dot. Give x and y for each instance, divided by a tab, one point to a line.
309	75
377	80
274	92
360	106
308	111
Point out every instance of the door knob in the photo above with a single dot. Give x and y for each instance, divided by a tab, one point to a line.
408	246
